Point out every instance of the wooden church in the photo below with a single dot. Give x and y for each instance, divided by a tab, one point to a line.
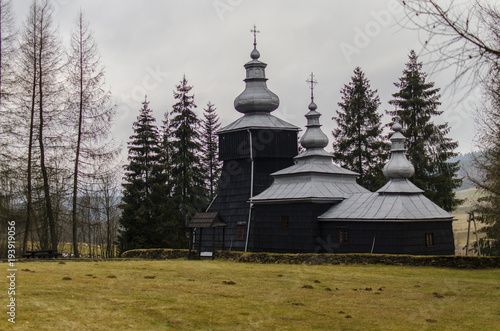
272	200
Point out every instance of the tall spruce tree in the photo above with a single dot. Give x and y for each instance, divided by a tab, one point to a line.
428	147
358	144
174	235
187	174
166	153
139	219
210	159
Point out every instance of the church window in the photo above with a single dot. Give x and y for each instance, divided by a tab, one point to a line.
429	239
284	223
240	232
343	236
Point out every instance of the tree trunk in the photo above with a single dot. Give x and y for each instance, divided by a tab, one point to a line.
30	153
78	144
46	185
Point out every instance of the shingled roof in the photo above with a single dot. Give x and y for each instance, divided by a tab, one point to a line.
206	220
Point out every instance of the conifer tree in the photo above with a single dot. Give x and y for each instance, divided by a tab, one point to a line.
40	99
90	112
173	229
187	175
210	159
429	149
166	153
139	219
358	145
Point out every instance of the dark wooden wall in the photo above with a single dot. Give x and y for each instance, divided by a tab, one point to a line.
265	144
392	237
234	186
302	234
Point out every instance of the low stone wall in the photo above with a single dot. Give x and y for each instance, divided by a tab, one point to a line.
459	262
158	254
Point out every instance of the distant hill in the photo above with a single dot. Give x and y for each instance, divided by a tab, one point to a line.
466	168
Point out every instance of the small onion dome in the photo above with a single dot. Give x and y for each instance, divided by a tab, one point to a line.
313	137
256	98
313	106
255	54
398	166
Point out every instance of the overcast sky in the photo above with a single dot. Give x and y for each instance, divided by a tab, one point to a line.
148	46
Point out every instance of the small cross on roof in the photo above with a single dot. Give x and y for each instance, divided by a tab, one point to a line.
254	31
312	82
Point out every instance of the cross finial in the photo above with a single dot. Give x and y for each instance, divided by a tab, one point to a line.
254	31
312	82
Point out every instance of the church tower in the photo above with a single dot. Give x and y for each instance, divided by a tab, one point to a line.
251	148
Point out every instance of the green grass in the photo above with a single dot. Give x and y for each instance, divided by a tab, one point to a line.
214	295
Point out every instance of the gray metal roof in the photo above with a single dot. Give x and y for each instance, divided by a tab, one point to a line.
317	187
386	207
258	121
317	164
400	185
398	201
314	177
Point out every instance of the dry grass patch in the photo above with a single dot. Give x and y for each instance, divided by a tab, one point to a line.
188	295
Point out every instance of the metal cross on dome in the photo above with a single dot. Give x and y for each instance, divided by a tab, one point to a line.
312	82
254	31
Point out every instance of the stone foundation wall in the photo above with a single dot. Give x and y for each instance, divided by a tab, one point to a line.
458	262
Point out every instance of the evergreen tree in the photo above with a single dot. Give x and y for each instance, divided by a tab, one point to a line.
358	145
174	235
211	164
166	153
90	113
139	219
187	175
428	147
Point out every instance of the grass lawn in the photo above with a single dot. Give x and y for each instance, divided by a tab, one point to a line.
214	295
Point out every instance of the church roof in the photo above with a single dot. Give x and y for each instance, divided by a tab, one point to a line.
314	177
317	187
258	121
398	201
386	207
316	162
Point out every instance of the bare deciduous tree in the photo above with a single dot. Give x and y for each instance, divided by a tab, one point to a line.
91	111
464	35
7	49
40	93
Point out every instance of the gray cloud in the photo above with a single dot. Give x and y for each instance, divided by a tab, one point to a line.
147	47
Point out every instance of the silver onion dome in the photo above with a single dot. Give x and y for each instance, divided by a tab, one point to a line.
256	98
398	166
314	136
